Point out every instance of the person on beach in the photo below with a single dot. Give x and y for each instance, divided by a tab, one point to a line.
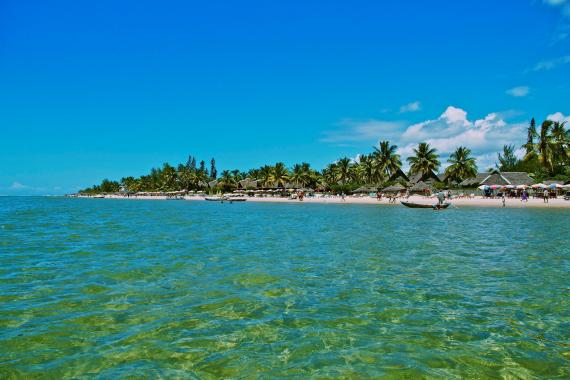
504	200
343	196
378	196
524	196
545	196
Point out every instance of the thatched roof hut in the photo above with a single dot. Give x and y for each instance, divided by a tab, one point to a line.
247	183
399	176
496	177
366	189
394	189
420	187
430	178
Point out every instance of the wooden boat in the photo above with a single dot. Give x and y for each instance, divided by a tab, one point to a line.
423	205
214	199
236	199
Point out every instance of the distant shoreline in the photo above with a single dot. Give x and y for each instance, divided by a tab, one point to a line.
367	200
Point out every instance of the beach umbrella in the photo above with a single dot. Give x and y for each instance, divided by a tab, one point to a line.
522	187
495	187
539	186
510	186
483	187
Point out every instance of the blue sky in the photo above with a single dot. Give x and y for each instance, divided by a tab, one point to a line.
106	89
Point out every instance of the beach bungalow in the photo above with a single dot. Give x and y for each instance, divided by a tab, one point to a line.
247	184
429	178
496	177
394	189
421	187
399	177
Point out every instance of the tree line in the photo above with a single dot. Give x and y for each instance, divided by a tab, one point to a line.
546	155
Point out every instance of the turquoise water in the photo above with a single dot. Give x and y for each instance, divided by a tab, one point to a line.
174	289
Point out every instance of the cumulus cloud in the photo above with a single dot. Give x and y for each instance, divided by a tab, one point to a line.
485	136
411	107
519	91
558	116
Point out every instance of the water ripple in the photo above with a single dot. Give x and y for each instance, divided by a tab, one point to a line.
115	288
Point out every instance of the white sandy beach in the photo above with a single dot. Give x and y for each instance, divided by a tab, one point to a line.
367	200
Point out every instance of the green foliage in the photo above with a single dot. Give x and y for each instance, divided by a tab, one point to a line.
425	159
547	155
548	150
507	160
462	165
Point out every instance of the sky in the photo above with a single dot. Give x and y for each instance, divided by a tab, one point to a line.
107	89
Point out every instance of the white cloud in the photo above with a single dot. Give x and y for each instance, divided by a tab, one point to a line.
485	136
356	159
360	131
18	186
564	6
554	3
558	116
551	64
411	107
519	91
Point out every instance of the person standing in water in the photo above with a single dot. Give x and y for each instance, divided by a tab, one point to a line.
441	197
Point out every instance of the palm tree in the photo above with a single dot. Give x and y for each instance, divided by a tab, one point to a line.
264	175
344	170
131	184
369	169
330	174
425	159
168	178
301	174
187	178
279	175
387	159
544	147
462	166
530	136
237	175
227	180
560	142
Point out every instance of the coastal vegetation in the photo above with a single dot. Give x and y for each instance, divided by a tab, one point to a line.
546	155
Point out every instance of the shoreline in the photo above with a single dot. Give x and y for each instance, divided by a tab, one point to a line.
558	203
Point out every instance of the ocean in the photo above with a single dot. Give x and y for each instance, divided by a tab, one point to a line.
98	288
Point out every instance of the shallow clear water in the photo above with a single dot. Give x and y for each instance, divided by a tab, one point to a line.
110	288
